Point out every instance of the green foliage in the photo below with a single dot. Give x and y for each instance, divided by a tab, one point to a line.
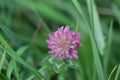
24	28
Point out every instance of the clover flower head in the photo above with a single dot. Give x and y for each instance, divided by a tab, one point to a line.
63	43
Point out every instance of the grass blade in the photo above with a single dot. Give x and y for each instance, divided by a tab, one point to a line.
98	32
112	72
16	70
10	69
12	65
96	57
96	25
117	73
90	5
15	56
97	60
107	48
2	60
21	50
80	10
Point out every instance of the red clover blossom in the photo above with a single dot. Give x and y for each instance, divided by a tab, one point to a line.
63	43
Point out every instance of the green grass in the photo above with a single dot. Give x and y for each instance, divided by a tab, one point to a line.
24	28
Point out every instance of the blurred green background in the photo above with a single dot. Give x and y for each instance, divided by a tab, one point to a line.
25	25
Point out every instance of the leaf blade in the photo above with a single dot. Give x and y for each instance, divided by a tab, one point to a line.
14	55
2	60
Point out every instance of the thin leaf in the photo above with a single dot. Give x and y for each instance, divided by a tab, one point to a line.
15	56
10	69
117	73
98	32
80	10
112	72
12	65
108	47
96	25
90	5
16	70
96	57
21	50
43	72
2	60
97	61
